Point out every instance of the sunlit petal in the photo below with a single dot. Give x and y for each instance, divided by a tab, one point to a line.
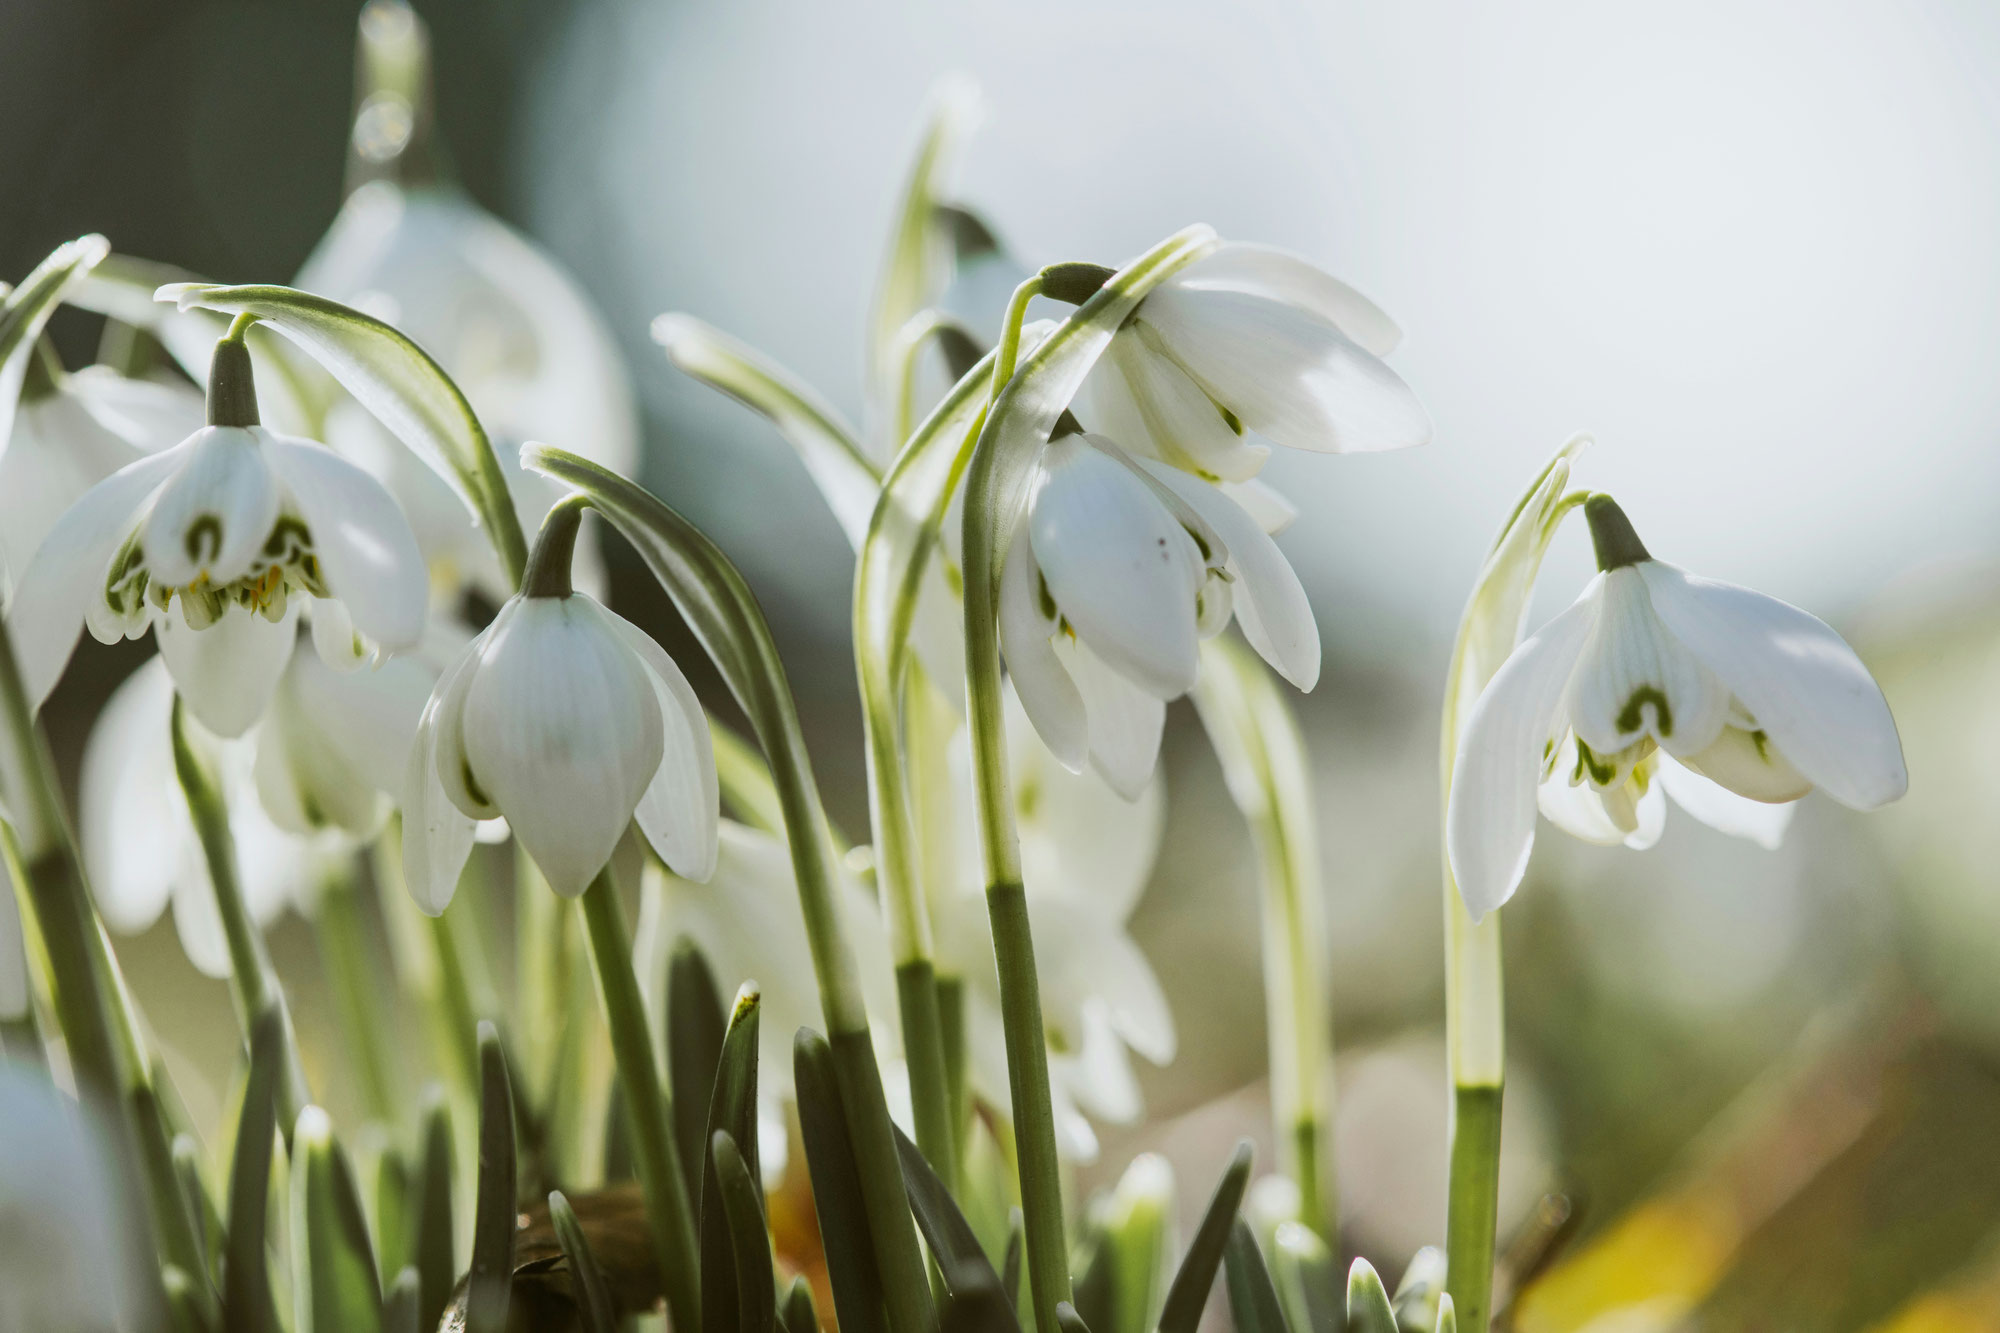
682	805
363	542
228	672
212	519
1762	822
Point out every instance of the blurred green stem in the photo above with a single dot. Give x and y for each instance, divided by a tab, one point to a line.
667	1200
357	990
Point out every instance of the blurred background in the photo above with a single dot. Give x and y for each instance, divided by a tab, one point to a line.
1748	245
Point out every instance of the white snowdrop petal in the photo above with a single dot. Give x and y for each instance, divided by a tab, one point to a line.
1272	606
437	834
228	672
1275	275
1047	693
563	731
1289	375
1576	808
198	923
334	637
1182	423
1762	822
1099	1077
364	544
1805	686
210	522
1125	721
131	817
1649	818
68	569
1490	816
1637	679
1263	502
56	452
146	414
681	808
1083	956
1120	566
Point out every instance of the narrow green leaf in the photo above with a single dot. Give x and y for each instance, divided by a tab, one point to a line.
1189	1292
745	779
1416	1297
184	1312
26	312
169	1201
732	1114
1069	1321
402	1308
1368	1308
831	450
1094	1287
749	1237
977	1301
395	1215
433	1253
246	1282
334	1288
592	1297
187	1170
696	1023
1010	1261
494	1212
795	1312
1253	1301
1447	1315
394	379
836	1188
1308	1280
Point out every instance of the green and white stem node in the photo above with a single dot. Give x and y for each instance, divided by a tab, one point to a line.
232	385
1611	534
548	573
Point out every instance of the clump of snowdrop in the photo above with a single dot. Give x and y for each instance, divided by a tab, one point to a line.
214	543
572	723
1654	683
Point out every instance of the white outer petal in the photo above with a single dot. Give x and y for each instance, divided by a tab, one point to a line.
1272	606
682	807
228	672
1761	822
224	480
563	730
1490	816
1179	419
56	453
1119	564
131	817
1125	721
437	835
1263	502
67	572
1806	687
1047	693
364	544
1277	275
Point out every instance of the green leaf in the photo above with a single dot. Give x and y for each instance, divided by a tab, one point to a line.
334	1289
1068	1320
402	1308
394	379
394	1214
1139	1244
494	1211
592	1297
184	1312
918	259
26	312
831	450
1447	1315
187	1170
978	1301
749	1239
1308	1280
696	1025
732	1114
433	1257
1253	1301
247	1305
1189	1292
795	1312
1368	1308
836	1188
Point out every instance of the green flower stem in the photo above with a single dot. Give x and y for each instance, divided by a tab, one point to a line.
251	983
923	1051
357	989
1473	1207
667	1201
958	1091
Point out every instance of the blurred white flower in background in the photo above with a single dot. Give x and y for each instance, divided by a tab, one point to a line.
66	1264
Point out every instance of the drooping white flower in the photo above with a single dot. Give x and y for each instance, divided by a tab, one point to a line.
207	541
139	844
1250	340
1118	568
1655	680
66	1261
571	722
71	432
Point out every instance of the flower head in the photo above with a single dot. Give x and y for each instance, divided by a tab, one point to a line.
1657	681
1118	568
571	722
213	537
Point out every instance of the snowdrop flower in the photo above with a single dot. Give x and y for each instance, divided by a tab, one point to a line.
71	432
1086	854
1654	681
139	844
228	524
569	721
66	1264
1118	568
1251	340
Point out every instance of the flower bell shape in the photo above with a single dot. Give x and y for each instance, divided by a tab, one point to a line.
1655	679
1253	341
569	721
71	432
207	542
1117	570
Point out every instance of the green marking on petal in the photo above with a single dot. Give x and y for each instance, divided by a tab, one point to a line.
1229	419
204	538
472	787
1632	716
1763	744
1589	764
1048	600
